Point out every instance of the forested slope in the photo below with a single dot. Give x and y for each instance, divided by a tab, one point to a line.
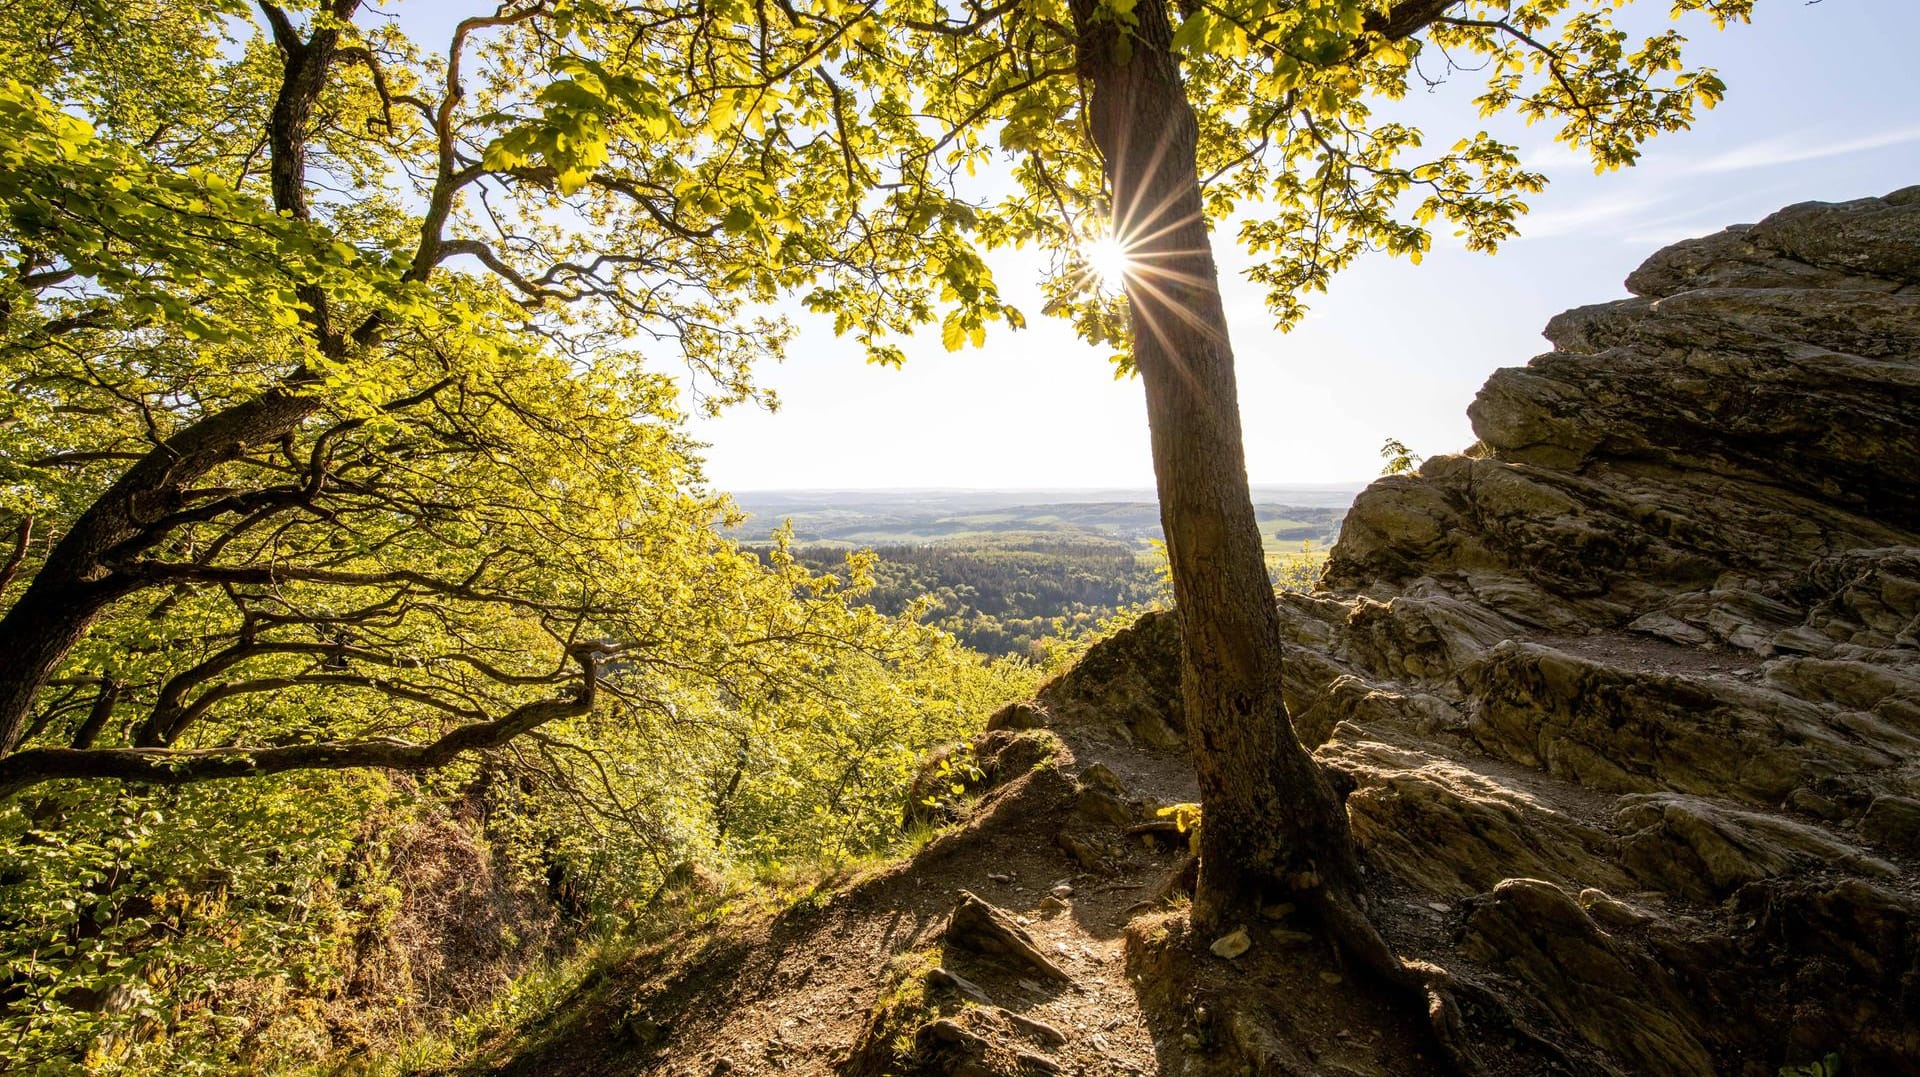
1009	596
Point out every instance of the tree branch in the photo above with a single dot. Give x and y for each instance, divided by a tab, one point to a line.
103	704
22	536
1406	18
157	766
364	56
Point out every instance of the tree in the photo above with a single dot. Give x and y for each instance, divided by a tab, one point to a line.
1140	124
342	437
332	440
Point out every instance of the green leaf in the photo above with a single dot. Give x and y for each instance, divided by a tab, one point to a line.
1192	35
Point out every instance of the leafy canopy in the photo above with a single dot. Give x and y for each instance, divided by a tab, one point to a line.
1299	150
346	381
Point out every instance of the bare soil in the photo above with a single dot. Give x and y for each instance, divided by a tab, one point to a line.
834	982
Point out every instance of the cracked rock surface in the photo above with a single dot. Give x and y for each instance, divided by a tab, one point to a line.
1626	701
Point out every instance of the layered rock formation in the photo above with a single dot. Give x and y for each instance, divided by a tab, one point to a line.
1632	688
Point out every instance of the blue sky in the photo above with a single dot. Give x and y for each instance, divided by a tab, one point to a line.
1820	105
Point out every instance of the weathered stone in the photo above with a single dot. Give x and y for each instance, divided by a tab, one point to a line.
1655	640
1611	913
1003	755
1627	731
1020	715
980	926
1455	832
1038	1029
1863	598
1029	1062
1232	944
644	1031
1701	850
1351	699
942	977
1893	822
1848	953
1085	851
1617	998
1869	243
994	758
946	1032
1100	776
1877	236
1424	638
1733	259
1130	684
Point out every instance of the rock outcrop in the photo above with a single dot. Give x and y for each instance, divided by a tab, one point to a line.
1632	687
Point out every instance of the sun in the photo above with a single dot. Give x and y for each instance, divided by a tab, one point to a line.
1108	260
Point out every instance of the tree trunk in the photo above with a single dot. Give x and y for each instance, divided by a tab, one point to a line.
77	581
1270	820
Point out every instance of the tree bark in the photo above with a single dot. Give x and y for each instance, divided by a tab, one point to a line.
77	581
1270	820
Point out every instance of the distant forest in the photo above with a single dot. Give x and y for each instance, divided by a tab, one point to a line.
1004	573
1010	595
1003	597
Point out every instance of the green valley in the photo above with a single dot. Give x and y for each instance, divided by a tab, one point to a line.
1007	571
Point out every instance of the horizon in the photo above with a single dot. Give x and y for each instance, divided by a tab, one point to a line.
1355	485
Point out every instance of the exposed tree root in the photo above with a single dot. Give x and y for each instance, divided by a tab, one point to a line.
1354	934
1178	881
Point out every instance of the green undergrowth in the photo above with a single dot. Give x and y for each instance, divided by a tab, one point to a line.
359	924
527	999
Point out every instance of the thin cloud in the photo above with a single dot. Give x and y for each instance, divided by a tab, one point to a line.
1793	149
1557	156
1662	235
1703	218
1587	216
1661	231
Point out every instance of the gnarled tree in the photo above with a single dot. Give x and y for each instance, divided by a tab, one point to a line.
341	435
332	438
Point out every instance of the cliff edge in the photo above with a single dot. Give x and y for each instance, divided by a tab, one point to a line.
1630	691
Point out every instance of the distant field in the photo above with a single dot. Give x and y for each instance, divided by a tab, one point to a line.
1007	572
902	518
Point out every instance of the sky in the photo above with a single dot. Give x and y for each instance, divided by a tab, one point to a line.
1820	105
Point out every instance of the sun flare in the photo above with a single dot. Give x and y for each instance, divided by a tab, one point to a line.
1108	260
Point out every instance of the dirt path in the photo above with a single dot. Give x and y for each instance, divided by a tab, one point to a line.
799	992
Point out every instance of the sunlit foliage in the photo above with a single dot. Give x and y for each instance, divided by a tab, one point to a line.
1300	152
343	481
359	583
